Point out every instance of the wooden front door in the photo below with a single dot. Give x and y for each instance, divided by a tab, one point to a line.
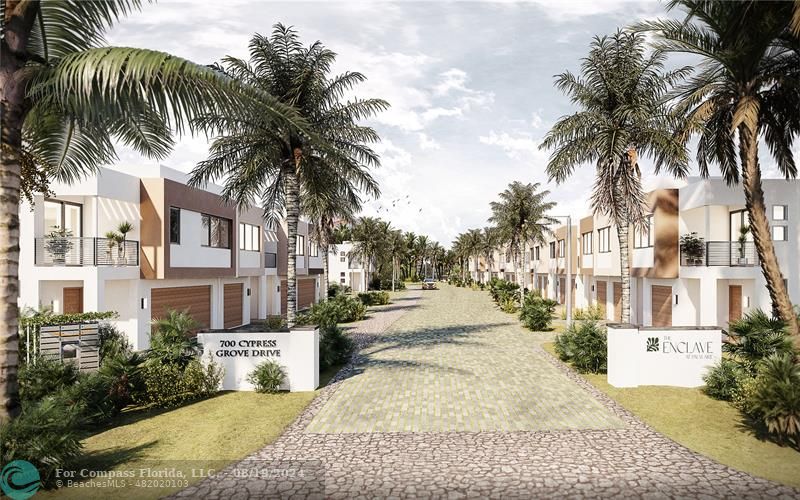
196	300
734	303
232	305
73	299
617	301
601	296
561	290
306	289
661	302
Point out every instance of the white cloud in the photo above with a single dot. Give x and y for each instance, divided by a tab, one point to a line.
518	146
426	143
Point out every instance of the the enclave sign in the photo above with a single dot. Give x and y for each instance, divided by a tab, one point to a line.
693	349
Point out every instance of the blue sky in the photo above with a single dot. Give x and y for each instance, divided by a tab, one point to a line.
470	84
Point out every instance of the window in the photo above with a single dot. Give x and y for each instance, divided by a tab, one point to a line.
644	238
508	257
216	232
779	233
738	220
586	242
60	215
780	212
604	240
342	256
249	237
174	225
561	251
552	249
536	252
313	249
301	245
341	274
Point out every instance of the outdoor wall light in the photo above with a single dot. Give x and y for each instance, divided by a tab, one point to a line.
144	302
676	299
248	292
593	288
747	301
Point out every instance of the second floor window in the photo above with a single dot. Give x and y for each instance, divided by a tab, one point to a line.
301	245
216	232
175	225
536	253
561	251
779	212
604	240
249	237
586	242
643	238
552	249
313	249
342	257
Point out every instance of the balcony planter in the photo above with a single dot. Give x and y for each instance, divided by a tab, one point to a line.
743	231
693	249
58	244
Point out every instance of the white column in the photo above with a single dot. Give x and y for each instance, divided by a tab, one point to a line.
94	294
263	296
708	302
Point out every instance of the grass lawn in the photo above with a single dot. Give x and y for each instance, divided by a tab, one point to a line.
705	425
211	433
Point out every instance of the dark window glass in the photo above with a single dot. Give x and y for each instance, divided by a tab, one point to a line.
174	225
205	233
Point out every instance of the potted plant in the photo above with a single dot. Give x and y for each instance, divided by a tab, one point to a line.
58	244
693	248
743	232
111	242
124	228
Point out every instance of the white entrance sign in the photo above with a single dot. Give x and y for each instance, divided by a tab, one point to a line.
240	352
674	356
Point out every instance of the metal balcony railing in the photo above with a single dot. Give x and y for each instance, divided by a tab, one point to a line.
70	251
724	253
270	260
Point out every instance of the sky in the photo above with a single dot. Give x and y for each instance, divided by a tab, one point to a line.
470	86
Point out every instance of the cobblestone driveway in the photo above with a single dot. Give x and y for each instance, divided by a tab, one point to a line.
375	432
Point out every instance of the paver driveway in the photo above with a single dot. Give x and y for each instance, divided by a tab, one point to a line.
374	433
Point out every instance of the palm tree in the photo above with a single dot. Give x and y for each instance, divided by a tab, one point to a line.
746	87
259	160
472	240
397	249
368	234
421	252
489	243
65	99
521	216
622	116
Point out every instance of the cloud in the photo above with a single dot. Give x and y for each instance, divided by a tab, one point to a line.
518	146
426	143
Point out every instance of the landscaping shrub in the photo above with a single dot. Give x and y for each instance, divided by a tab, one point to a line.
755	337
267	377
335	289
537	312
171	340
386	284
509	305
722	380
45	377
112	341
170	384
374	298
584	344
502	292
274	324
591	313
90	396
335	347
124	373
46	434
775	400
340	309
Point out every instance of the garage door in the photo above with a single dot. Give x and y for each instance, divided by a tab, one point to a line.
601	296
197	299
662	305
305	292
617	301
232	305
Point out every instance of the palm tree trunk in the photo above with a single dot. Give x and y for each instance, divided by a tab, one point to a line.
521	270
292	216
625	270
759	226
325	272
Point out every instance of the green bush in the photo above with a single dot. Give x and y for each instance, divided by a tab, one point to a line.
374	298
170	384
509	305
172	340
591	313
503	291
755	337
267	377
112	341
775	400
537	312
340	309
386	284
335	347
723	380
124	373
91	395
46	434
45	377
584	344
335	289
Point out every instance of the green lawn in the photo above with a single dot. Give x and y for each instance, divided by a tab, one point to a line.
705	425
206	434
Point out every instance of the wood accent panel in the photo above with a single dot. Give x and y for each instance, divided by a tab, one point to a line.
562	286
601	287
734	302
305	292
663	203
197	299
232	297
617	301
72	299
284	288
661	302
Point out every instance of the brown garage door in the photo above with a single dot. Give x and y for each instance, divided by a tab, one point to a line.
617	301
73	299
662	305
197	299
601	296
305	292
734	303
232	305
562	287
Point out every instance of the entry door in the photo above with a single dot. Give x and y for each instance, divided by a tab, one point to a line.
601	296
662	305
73	300
734	303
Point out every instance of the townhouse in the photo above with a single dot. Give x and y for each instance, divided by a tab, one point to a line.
186	249
711	283
345	268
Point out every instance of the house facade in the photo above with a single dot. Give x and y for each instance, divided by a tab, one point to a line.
345	268
186	250
670	287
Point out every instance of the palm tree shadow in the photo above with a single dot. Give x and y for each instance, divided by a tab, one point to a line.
109	458
758	430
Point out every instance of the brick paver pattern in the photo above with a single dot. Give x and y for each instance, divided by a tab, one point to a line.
450	398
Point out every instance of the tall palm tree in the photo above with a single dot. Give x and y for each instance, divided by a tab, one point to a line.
397	249
421	248
368	233
261	161
521	216
747	86
488	245
473	239
65	98
411	243
622	115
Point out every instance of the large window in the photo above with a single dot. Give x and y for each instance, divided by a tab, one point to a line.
552	249
780	233
301	245
536	253
586	243
780	212
174	225
216	232
313	249
643	238
249	237
561	249
604	240
738	220
63	215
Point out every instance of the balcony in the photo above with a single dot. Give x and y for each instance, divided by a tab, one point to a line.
724	253
70	251
270	260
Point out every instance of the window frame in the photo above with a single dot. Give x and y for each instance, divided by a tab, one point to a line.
536	248
562	249
63	215
552	249
785	215
785	232
313	249
638	236
175	211
209	231
300	246
604	231
587	236
248	239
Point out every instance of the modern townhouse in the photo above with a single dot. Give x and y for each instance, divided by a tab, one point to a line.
668	286
346	268
187	250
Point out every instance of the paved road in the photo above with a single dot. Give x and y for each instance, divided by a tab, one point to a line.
450	397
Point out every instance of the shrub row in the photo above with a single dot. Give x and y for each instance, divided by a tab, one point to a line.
374	298
537	312
584	345
340	309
